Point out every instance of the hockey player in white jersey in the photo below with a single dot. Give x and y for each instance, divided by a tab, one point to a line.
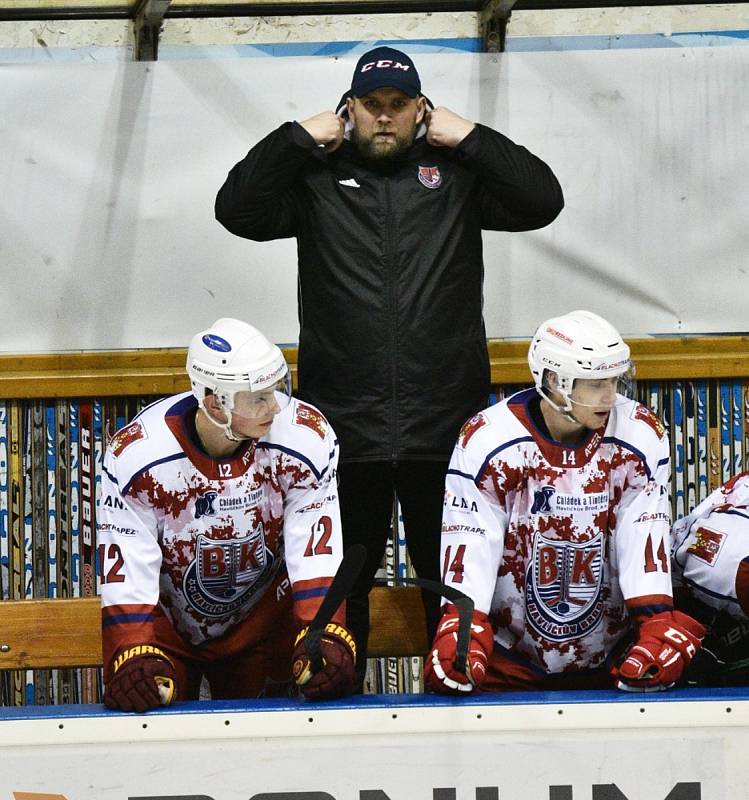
557	525
711	579
219	533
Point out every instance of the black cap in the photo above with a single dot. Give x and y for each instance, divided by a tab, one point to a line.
385	66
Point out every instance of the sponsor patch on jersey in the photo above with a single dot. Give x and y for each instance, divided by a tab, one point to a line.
547	500
469	428
108	527
226	573
563	587
317	505
430	177
126	436
707	545
458	503
211	504
656	516
311	418
470	529
644	414
542	500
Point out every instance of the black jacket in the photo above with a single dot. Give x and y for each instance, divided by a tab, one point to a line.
392	346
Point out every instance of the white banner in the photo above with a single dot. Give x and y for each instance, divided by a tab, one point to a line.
109	173
563	746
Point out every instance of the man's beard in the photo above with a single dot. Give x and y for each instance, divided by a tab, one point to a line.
373	150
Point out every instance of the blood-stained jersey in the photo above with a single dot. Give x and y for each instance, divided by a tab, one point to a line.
561	545
205	537
711	549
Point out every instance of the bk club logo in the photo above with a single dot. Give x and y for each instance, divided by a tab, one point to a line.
563	587
225	574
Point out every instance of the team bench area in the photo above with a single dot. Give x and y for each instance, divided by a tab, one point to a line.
59	410
51	634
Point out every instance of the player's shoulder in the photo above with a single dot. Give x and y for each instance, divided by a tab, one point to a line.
734	493
147	437
491	428
638	426
302	430
728	503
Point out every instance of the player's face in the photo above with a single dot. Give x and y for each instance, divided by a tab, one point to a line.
385	122
253	412
592	400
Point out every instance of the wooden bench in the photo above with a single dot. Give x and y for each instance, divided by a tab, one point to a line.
49	634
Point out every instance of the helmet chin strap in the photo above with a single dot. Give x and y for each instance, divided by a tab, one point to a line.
225	426
565	411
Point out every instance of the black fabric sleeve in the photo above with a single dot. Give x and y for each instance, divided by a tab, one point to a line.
258	199
519	192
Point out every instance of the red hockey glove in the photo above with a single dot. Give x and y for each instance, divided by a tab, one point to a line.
143	678
440	674
336	677
667	643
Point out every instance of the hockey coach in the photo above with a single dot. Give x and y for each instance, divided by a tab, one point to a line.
387	200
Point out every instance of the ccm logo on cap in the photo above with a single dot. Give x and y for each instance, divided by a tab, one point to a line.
385	63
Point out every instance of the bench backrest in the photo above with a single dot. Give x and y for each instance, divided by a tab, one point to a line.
47	634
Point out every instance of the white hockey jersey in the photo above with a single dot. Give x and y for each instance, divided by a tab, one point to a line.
560	544
204	537
711	549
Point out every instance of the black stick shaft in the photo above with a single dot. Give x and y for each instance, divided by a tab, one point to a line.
463	603
340	587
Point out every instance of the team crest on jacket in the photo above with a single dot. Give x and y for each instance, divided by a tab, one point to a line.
226	572
563	587
126	436
430	177
311	418
706	545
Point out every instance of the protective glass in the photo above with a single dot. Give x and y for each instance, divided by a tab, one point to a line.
264	404
603	393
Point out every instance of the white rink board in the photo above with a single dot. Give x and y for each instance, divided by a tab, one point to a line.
566	746
109	171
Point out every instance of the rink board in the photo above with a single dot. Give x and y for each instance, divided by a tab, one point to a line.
682	745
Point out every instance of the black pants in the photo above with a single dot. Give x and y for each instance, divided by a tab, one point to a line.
367	491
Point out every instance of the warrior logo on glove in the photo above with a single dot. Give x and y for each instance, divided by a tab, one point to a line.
336	676
143	678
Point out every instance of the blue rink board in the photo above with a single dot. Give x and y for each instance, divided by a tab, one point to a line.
731	694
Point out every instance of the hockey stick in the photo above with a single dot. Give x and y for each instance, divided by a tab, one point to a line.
461	601
343	581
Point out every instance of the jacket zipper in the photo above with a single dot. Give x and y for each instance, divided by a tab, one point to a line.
393	320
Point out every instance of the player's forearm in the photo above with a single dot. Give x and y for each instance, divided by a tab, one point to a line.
124	626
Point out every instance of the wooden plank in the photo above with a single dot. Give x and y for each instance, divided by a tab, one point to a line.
53	5
46	634
162	372
396	622
667	358
41	634
126	373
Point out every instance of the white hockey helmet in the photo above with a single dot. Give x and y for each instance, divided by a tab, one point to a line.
578	345
230	357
